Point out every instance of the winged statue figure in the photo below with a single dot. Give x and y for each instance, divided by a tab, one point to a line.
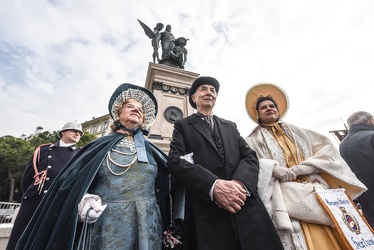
155	35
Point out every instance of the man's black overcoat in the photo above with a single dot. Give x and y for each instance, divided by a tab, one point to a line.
357	149
206	226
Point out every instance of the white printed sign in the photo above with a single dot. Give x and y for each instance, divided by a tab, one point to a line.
347	218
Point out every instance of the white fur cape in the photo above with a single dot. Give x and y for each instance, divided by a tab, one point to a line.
288	202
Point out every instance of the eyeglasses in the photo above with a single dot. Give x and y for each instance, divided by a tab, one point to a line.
130	106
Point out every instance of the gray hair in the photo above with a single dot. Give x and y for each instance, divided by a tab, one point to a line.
359	117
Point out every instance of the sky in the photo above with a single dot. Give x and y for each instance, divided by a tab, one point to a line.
60	60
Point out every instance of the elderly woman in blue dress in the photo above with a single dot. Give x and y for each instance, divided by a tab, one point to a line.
113	194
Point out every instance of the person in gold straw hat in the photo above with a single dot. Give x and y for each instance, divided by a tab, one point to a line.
294	161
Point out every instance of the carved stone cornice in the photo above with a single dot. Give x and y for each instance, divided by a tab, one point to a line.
156	85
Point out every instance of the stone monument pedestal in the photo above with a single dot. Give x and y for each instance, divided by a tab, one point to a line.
170	86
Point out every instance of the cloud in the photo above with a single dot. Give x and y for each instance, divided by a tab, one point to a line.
61	60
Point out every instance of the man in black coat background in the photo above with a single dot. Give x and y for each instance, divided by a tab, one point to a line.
43	167
220	173
357	149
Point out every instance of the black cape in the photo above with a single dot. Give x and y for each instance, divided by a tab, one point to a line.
54	224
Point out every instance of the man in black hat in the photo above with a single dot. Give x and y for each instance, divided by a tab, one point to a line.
47	161
219	172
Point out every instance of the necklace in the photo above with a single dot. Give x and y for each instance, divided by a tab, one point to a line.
127	166
123	153
128	143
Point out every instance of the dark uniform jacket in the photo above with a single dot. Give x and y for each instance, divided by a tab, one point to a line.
225	155
357	149
49	157
55	222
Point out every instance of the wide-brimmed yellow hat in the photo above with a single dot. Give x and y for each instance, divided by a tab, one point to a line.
266	89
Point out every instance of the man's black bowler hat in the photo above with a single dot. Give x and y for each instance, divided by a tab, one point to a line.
201	81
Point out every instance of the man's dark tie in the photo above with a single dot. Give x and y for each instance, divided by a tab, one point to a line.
207	118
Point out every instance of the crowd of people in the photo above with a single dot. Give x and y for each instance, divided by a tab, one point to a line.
213	190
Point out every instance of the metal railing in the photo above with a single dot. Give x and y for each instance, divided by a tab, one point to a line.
8	212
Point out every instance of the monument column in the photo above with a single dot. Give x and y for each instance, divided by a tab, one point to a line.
170	86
